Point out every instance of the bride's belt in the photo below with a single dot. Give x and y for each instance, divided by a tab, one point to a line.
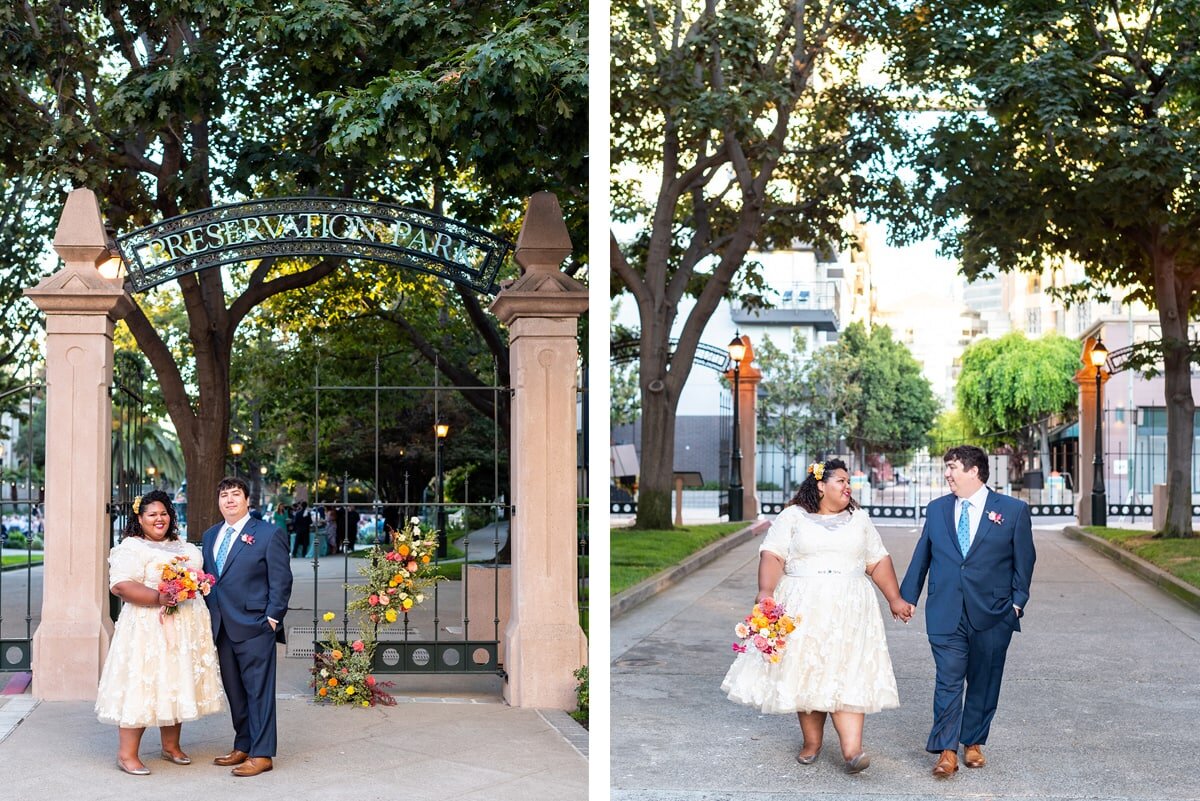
823	567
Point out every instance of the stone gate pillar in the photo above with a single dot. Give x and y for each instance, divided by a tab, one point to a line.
749	377
544	644
81	309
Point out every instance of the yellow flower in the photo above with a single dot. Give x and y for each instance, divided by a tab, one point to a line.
775	658
390	615
366	703
408	604
350	690
328	616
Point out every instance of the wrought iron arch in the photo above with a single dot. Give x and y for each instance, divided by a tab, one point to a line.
313	226
624	351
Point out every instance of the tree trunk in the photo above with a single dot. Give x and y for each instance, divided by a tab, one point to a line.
1173	301
657	467
1044	448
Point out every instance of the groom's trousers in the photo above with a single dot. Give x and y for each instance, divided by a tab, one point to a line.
976	659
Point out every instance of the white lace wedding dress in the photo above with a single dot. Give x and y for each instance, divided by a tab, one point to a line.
837	658
158	672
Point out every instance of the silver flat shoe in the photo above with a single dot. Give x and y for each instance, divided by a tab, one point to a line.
808	760
858	764
183	760
143	771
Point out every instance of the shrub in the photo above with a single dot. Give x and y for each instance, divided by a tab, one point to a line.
581	695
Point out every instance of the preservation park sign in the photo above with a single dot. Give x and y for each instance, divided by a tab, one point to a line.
283	227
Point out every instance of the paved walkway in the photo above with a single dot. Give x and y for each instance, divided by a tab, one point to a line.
1100	697
449	737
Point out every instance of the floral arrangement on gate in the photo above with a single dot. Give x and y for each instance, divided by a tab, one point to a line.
765	629
180	582
341	672
397	573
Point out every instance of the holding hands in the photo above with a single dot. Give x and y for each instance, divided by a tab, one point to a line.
902	609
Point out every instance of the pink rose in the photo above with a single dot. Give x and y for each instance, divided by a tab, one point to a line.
373	600
370	681
357	645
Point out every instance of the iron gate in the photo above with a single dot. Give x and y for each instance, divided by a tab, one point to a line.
21	523
129	375
444	633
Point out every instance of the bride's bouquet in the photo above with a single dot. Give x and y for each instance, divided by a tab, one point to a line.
765	629
182	582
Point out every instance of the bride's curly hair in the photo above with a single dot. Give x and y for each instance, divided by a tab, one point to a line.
808	495
134	527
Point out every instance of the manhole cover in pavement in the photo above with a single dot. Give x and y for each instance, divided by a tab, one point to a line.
634	662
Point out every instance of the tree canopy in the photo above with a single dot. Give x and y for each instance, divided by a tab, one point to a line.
1077	137
1012	388
168	107
736	126
897	407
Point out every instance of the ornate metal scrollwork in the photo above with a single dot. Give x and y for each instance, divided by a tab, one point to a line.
313	226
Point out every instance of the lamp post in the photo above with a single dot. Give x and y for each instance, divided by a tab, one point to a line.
151	471
737	352
1099	498
442	430
236	447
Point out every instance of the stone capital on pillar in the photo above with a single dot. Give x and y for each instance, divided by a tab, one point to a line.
81	309
1085	377
749	377
544	643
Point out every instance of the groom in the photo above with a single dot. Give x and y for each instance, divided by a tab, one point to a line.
977	548
251	561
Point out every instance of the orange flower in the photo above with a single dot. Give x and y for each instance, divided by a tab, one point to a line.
425	559
402	550
322	692
336	655
333	682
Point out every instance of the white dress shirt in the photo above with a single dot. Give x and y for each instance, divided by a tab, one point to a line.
237	527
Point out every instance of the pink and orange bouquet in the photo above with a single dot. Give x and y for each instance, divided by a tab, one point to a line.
765	629
182	582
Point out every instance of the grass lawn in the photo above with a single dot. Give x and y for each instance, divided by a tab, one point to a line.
1180	558
638	554
19	559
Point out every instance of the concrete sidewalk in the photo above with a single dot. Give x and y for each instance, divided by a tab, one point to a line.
1100	696
448	737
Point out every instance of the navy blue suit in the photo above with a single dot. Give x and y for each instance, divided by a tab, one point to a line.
969	613
255	585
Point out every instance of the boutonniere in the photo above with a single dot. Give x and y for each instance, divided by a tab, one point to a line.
995	517
246	538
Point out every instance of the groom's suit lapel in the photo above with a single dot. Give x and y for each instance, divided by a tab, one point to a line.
239	543
951	528
986	526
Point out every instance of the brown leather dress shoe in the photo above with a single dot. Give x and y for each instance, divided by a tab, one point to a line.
973	756
234	757
947	765
253	766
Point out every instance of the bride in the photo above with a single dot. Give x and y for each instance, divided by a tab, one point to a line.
815	561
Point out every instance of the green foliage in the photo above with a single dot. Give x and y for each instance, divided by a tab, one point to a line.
581	695
1076	137
1010	384
165	107
896	407
735	126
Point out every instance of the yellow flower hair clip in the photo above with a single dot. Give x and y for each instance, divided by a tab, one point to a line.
817	469
137	505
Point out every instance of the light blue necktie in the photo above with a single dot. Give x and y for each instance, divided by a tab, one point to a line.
227	543
964	528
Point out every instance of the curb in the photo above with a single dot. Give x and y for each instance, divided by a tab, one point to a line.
646	589
1155	575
